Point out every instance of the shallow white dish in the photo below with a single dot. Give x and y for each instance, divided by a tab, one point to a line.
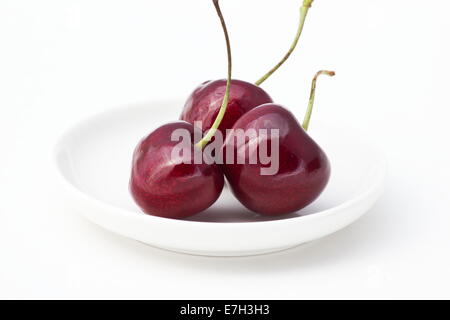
94	159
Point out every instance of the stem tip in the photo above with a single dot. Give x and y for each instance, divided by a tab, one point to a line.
312	95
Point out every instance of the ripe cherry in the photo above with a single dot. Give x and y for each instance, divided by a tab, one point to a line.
164	188
204	102
303	167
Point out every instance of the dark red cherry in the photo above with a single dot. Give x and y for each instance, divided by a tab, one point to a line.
303	170
205	101
166	188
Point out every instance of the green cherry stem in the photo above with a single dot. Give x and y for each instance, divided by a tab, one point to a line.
212	131
312	95
303	12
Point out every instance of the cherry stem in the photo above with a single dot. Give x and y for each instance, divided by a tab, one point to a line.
312	95
212	131
303	12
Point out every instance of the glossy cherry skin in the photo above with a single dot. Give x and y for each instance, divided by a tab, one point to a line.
167	189
303	172
205	101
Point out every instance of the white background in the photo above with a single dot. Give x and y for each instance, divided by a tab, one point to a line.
61	61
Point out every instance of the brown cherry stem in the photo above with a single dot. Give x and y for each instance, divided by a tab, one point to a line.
212	131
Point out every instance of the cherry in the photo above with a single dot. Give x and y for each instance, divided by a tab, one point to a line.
173	184
204	102
170	190
303	167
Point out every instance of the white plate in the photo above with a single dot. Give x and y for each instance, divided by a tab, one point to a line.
94	159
